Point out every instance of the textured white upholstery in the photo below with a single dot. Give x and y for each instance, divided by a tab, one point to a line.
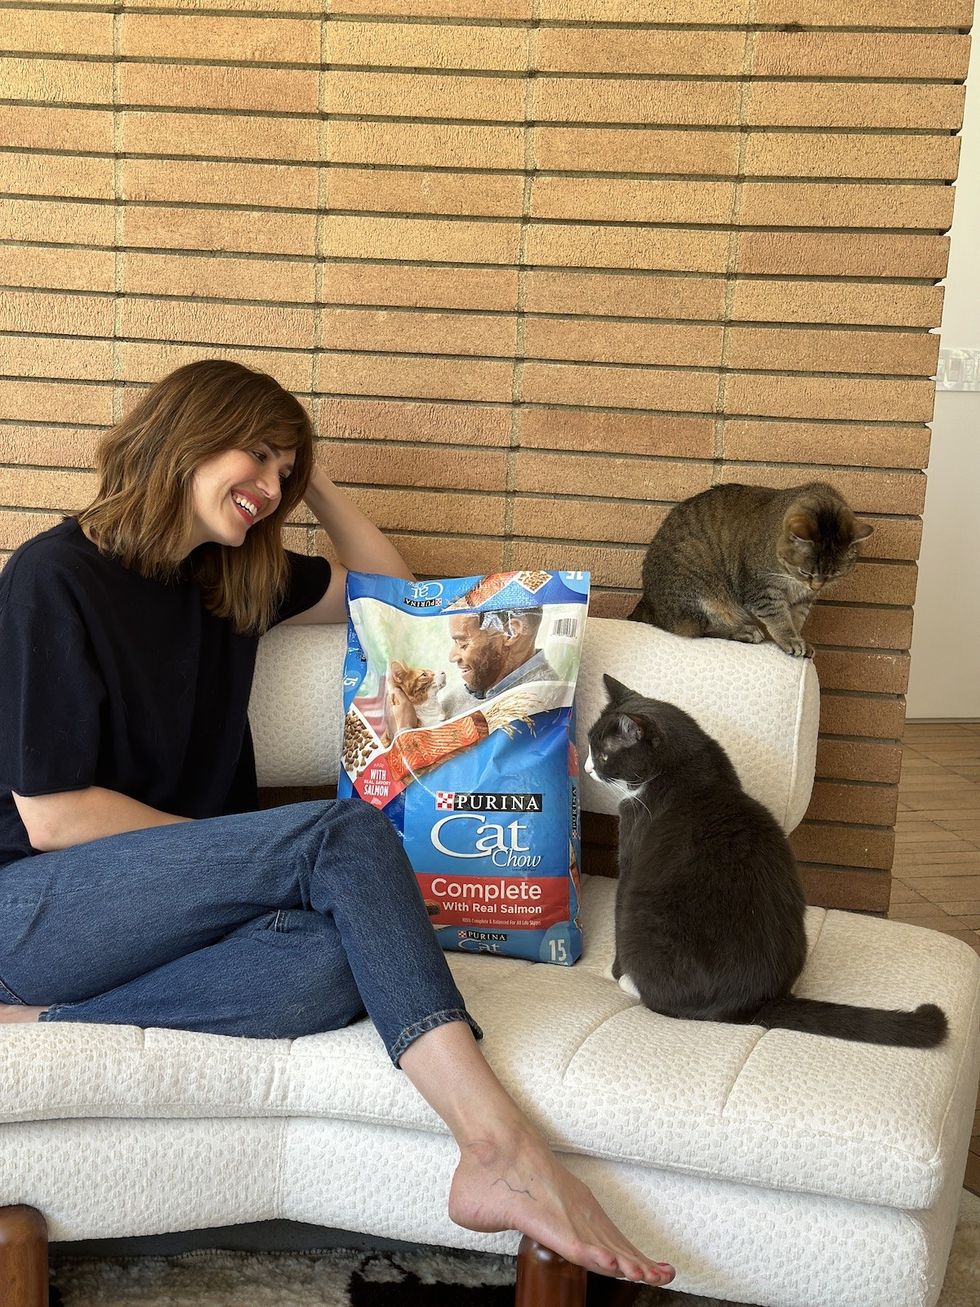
770	1167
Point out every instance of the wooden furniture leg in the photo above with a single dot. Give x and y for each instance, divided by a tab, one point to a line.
546	1280
23	1258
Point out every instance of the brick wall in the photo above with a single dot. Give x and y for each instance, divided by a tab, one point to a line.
539	268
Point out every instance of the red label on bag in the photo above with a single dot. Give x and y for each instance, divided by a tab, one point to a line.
510	902
376	785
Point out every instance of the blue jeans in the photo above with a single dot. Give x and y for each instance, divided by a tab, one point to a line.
269	924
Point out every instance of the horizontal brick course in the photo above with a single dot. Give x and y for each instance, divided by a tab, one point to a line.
419	287
853	104
430	145
56	81
607	149
48	31
624	294
196	86
615	433
859	54
858	303
813	154
413	420
852	846
841	255
409	465
204	36
217	277
205	230
622	342
853	801
48	401
596	50
421	241
423	333
626	478
259	184
876	716
408	376
619	387
49	446
588	246
410	45
872	444
398	95
464	195
213	135
905	353
696	104
74	177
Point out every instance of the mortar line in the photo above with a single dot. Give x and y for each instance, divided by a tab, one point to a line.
513	453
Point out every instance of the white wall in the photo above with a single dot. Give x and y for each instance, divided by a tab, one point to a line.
945	680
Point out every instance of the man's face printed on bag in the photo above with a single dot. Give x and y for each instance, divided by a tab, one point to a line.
479	654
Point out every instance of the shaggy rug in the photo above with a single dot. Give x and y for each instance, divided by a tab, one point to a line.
350	1278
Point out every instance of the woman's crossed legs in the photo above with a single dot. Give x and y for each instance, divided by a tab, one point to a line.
279	924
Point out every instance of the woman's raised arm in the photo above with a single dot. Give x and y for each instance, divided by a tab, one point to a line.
358	543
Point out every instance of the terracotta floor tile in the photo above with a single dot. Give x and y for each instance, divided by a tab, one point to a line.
947	887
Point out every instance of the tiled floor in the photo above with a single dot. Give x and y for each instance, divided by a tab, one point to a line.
936	876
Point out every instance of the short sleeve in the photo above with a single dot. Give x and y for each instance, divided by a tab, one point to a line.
305	586
50	698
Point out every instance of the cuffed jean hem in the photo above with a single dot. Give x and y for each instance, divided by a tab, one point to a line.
409	1035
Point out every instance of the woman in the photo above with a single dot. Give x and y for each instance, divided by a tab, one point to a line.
138	884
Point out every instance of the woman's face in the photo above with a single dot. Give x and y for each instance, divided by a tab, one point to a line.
234	490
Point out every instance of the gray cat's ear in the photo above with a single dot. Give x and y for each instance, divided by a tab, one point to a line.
616	690
630	729
861	530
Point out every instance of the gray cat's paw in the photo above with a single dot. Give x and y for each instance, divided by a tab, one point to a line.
627	986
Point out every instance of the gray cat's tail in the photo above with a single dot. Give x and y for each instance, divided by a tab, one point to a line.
924	1028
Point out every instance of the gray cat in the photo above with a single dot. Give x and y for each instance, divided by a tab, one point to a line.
747	562
709	906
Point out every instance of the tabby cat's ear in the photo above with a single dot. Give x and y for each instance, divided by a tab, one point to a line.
616	690
861	530
803	527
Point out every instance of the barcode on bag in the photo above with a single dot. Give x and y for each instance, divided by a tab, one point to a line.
566	628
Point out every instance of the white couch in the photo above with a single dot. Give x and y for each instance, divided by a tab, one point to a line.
769	1167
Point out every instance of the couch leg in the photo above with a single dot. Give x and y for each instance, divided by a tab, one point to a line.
546	1280
23	1258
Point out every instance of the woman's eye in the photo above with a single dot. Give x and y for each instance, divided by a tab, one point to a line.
260	455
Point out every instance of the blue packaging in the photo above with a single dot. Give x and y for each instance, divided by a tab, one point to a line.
459	725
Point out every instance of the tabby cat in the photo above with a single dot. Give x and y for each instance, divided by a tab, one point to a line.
709	907
746	562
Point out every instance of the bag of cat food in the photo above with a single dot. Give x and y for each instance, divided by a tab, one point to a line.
459	726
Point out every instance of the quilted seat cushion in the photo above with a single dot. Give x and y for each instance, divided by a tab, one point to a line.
601	1074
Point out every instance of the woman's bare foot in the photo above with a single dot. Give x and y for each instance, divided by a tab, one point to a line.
521	1185
14	1012
508	1178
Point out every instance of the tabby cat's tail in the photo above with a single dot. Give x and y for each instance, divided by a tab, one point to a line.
924	1028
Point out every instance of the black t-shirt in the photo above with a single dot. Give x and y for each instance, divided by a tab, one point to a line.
110	679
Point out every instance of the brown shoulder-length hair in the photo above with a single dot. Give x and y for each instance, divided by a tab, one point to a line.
143	511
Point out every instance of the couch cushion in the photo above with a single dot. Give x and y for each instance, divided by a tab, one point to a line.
601	1074
760	703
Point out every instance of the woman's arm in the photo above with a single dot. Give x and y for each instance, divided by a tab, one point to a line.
359	545
58	821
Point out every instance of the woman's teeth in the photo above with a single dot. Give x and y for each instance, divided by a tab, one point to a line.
249	507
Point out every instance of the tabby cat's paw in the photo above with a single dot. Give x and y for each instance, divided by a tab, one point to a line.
798	648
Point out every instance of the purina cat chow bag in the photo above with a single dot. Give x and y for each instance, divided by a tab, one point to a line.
458	702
